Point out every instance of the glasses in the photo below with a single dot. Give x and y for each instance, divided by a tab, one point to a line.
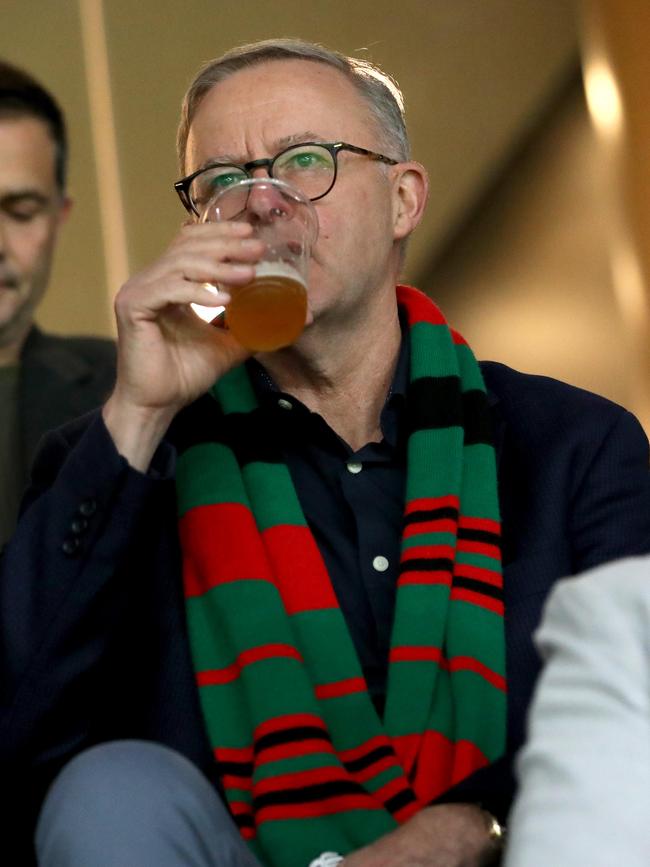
310	167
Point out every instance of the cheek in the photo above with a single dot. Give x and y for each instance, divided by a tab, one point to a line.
32	248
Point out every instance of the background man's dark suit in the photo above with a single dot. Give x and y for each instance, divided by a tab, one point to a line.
93	639
61	378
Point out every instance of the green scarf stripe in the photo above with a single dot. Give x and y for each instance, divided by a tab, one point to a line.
438	357
299	667
436	478
296	764
275	501
469	370
234	392
428	539
328	632
480	499
486	627
207	474
482	561
404	713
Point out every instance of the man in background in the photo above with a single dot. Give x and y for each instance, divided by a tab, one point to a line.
44	380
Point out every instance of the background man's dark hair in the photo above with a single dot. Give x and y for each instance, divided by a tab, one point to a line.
22	96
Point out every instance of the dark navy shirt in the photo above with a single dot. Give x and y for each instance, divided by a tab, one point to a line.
353	502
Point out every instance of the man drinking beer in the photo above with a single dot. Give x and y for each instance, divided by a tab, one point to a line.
276	610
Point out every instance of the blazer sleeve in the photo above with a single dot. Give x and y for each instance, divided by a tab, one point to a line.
62	594
610	509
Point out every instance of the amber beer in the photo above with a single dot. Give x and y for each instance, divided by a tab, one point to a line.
270	311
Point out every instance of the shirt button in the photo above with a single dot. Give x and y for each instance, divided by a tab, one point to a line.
354	467
380	563
88	507
285	404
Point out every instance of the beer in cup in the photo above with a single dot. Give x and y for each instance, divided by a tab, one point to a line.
269	312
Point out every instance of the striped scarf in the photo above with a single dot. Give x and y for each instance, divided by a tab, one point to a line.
305	762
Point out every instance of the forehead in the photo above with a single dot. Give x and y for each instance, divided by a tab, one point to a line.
27	155
247	113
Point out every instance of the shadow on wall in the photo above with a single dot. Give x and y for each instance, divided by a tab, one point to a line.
527	279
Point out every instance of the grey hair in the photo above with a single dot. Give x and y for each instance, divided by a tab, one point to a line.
380	92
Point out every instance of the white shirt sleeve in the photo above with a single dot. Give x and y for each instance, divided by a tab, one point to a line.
584	773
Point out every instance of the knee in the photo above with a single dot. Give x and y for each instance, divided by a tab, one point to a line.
118	784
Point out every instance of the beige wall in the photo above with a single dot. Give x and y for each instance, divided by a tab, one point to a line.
474	72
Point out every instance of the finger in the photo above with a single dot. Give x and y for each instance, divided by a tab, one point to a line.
136	303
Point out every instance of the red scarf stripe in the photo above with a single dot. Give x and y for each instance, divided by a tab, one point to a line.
354	754
420	307
457	338
206	531
215	677
416	653
437	525
417	577
474	598
468	663
293	750
467	759
426	504
233	754
341	687
471	547
302	578
479	573
286	722
376	769
428	551
486	524
314	809
231	781
392	788
297	780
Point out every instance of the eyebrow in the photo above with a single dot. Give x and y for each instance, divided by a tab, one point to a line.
278	145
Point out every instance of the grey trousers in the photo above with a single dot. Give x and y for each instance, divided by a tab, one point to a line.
136	804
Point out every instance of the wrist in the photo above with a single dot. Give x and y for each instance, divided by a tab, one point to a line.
136	431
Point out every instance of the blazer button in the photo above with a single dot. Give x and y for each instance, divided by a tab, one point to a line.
71	546
79	526
88	507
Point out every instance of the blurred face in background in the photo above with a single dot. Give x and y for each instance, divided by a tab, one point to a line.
32	208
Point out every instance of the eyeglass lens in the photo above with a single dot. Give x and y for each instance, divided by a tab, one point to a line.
308	168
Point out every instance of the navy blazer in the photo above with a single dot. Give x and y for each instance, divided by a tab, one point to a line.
93	642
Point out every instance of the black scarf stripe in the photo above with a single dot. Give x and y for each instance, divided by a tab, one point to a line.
400	800
244	820
478	587
287	736
236	769
424	515
314	792
363	762
484	536
437	402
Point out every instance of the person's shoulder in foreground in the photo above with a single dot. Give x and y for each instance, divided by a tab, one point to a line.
585	771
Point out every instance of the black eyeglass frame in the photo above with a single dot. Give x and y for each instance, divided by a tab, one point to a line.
182	186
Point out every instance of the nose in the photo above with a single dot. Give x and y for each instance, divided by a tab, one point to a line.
266	203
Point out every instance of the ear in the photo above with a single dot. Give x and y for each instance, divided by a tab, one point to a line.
410	194
64	210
